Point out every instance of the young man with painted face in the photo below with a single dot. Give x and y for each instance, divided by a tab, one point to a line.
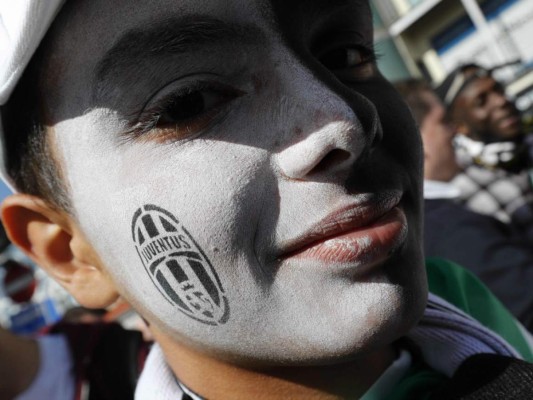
241	173
490	147
496	253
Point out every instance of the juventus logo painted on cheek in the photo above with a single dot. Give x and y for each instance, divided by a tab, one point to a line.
177	265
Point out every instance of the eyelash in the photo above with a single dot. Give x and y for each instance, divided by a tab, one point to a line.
148	120
150	117
366	50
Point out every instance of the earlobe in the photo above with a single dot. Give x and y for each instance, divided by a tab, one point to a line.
52	239
462	128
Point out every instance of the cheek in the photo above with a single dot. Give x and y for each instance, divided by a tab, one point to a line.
400	135
481	116
187	208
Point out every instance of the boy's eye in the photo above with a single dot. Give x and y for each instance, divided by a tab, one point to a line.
185	113
480	101
349	62
343	57
190	106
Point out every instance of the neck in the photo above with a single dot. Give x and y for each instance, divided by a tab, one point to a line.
213	378
488	138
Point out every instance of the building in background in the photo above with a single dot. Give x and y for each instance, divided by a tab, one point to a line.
432	37
391	63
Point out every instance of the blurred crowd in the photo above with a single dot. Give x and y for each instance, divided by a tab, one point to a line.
52	348
477	180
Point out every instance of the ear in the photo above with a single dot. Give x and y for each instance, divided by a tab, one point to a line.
457	119
462	128
53	240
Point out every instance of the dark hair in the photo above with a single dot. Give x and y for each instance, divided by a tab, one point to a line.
29	156
457	81
411	91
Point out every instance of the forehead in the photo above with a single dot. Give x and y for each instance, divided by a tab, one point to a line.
137	49
86	30
113	18
479	86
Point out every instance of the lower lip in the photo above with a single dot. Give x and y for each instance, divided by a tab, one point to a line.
510	122
368	246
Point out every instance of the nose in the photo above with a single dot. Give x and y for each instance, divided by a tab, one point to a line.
331	141
332	148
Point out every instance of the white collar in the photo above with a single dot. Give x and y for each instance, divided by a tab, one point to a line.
440	190
157	380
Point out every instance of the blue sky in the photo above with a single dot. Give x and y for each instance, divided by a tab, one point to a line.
4	191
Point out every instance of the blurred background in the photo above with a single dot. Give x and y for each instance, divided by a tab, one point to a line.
429	38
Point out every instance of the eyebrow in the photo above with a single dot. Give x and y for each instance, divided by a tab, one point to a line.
173	36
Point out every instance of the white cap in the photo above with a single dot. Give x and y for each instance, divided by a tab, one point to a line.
23	24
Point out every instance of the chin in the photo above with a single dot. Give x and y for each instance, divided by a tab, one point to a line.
351	322
344	337
509	134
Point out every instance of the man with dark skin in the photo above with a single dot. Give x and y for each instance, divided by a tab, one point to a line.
499	255
241	173
490	147
483	111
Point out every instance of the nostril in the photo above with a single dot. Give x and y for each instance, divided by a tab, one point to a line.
333	159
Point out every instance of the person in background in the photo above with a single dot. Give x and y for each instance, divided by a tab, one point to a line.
498	254
491	147
242	174
82	357
19	365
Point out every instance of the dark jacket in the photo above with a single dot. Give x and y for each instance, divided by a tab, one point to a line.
492	250
489	377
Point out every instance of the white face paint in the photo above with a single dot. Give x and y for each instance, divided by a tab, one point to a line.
294	241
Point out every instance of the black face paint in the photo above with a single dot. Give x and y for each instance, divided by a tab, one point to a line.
177	266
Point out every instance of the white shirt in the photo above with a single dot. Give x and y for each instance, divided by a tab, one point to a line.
440	190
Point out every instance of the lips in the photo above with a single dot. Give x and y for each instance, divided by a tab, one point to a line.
509	121
506	116
363	234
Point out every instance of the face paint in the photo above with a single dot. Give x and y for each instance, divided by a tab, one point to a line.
243	176
178	266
